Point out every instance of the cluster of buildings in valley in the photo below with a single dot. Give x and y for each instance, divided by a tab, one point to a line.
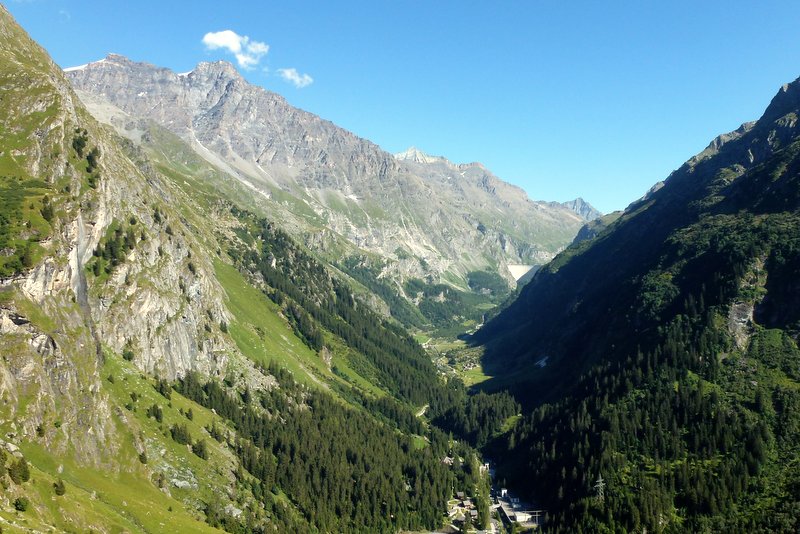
512	510
506	511
463	511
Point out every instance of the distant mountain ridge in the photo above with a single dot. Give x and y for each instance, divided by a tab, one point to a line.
412	154
449	218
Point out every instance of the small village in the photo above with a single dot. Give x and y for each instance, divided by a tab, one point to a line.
507	512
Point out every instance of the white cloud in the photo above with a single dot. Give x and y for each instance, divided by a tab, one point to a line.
294	77
224	39
248	53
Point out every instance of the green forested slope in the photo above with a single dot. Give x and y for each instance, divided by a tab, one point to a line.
662	354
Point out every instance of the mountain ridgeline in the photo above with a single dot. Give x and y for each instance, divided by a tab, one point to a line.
658	359
394	218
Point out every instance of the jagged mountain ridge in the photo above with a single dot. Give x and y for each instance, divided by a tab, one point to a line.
438	169
477	173
456	220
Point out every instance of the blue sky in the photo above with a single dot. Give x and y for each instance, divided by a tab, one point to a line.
592	99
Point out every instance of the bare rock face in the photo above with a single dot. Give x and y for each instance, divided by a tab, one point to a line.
740	323
58	321
454	217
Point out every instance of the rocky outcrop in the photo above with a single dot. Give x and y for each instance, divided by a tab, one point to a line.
740	323
58	320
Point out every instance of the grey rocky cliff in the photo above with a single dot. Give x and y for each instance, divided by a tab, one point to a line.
454	217
50	370
152	302
57	321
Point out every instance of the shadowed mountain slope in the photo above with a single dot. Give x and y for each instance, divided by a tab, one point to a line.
661	354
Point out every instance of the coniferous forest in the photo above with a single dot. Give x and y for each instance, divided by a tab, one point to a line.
669	402
345	472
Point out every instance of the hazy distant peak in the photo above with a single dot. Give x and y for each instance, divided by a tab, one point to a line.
582	208
418	156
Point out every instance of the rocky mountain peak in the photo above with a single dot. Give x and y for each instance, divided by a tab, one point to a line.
220	69
111	57
378	202
582	208
786	101
418	156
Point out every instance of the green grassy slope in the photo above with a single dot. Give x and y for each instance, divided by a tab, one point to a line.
123	494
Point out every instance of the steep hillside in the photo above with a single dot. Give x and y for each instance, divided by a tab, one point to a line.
423	218
595	227
661	355
68	192
159	373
